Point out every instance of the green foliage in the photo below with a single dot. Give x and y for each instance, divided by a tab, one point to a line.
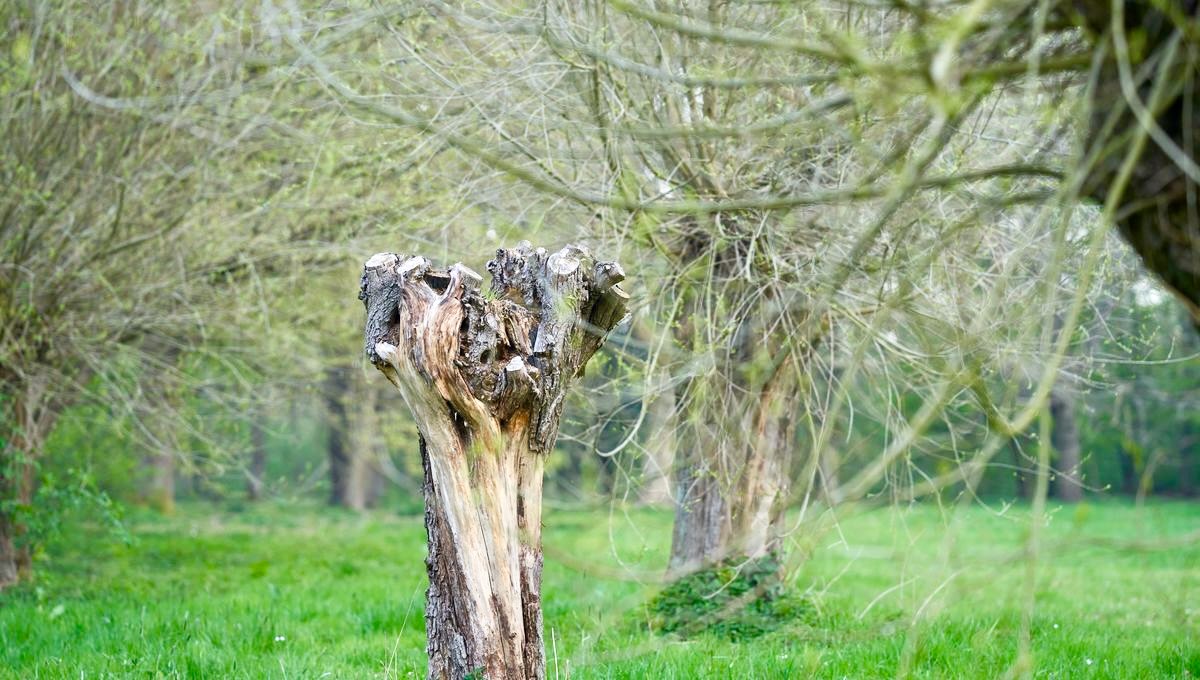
737	599
62	501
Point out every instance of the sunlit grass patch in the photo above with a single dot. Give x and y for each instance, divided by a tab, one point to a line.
305	592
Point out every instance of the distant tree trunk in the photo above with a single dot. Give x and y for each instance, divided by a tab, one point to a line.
829	481
659	442
369	447
345	478
485	379
27	420
9	572
1068	483
257	469
354	442
160	427
1133	454
703	519
733	482
1023	488
1187	463
16	561
160	481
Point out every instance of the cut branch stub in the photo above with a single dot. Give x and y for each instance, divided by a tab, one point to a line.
485	376
515	352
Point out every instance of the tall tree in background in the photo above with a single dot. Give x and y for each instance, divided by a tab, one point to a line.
779	190
143	217
94	239
355	445
1068	485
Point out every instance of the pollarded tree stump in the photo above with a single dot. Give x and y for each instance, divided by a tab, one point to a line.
485	376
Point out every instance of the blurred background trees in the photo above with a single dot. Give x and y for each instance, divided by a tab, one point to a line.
864	271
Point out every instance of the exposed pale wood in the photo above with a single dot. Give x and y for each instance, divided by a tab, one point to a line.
485	376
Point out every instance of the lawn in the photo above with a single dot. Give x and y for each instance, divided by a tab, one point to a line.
293	591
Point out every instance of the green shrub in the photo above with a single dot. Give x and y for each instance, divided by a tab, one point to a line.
737	599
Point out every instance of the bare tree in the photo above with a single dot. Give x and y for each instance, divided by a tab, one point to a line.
138	222
780	202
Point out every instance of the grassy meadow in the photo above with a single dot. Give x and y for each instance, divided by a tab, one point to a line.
294	591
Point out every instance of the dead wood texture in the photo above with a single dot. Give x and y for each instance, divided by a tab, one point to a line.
485	375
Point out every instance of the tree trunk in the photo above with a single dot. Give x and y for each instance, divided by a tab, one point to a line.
354	442
1065	438
1187	463
659	446
25	424
257	469
16	561
733	486
369	448
160	482
159	425
345	481
9	571
485	379
703	519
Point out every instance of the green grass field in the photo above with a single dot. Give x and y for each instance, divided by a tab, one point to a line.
301	592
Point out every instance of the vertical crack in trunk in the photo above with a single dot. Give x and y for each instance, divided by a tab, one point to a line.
485	376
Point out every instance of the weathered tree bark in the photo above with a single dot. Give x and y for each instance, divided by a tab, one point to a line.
1157	213
1068	484
485	377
